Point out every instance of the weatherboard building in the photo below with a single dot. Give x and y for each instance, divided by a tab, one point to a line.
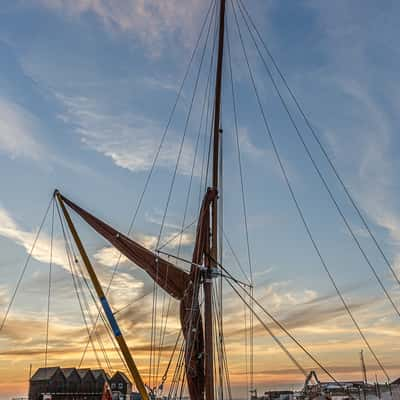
78	384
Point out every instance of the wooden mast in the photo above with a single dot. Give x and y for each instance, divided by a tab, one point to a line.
208	309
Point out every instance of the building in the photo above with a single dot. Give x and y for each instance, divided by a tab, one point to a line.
76	384
100	379
273	395
88	381
121	386
46	380
73	380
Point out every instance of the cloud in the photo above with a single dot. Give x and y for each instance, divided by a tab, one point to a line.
3	296
130	141
20	131
123	282
279	295
309	313
249	148
10	229
152	21
18	128
109	256
358	80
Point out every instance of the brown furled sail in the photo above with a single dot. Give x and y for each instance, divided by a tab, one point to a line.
191	320
172	279
177	283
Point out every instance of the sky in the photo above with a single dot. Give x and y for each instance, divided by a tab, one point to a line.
86	91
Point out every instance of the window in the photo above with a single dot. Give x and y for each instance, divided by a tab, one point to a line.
120	385
113	386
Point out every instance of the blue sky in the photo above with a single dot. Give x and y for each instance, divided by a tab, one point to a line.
86	91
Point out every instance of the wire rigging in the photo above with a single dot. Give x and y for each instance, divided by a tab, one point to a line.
49	287
322	148
172	184
235	256
266	327
297	205
246	296
75	285
80	276
282	327
322	178
189	190
158	151
21	276
244	205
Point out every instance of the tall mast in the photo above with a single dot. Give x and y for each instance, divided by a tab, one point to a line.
208	309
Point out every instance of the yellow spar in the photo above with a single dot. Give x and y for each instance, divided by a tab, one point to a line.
106	306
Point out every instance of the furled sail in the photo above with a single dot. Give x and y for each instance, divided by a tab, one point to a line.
191	321
172	279
177	283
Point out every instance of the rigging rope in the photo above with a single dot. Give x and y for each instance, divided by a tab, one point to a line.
28	258
164	326
106	324
273	336
282	327
176	235
155	286
184	131
246	351
80	276
49	287
177	370
236	125
70	264
322	178
223	360
235	256
206	101
322	148
297	205
207	135
157	154
274	320
179	374
165	375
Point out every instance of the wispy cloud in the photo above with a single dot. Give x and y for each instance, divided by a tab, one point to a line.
10	229
130	141
153	22
21	136
18	130
123	282
249	148
109	256
365	104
